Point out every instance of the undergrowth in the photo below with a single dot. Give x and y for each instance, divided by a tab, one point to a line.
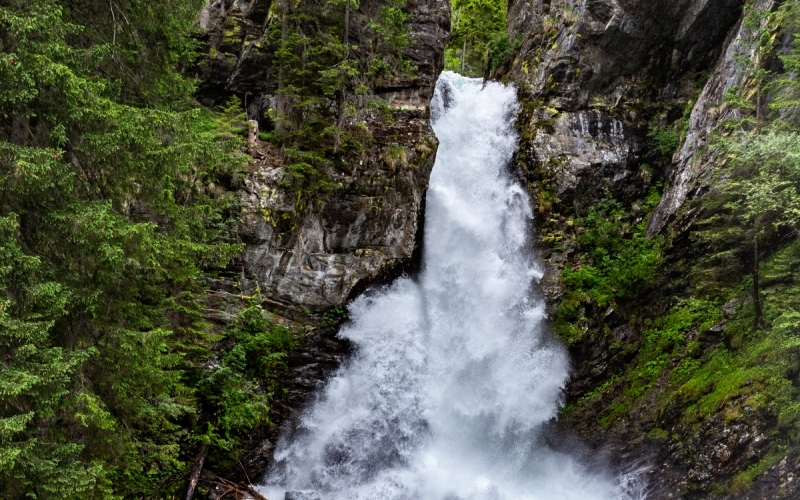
616	262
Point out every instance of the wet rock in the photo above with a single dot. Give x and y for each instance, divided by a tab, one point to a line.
612	50
594	77
691	165
306	256
597	70
302	495
240	56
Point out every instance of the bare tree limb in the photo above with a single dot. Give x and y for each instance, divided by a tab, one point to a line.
194	477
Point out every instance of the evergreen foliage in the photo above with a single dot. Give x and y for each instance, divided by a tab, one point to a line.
106	222
331	55
478	41
755	200
618	263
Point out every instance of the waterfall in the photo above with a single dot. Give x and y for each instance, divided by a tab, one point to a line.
454	373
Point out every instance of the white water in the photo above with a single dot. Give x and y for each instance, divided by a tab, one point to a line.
453	375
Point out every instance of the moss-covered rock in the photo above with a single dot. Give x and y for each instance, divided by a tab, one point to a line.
669	373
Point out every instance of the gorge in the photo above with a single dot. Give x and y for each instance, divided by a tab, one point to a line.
453	375
254	240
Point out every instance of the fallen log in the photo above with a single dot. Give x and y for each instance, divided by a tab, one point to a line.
194	477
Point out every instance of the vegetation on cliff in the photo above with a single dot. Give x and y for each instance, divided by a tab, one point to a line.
330	56
702	351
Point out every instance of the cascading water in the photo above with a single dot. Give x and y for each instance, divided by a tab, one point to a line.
453	375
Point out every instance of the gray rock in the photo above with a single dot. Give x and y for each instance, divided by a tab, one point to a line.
595	73
578	52
303	258
692	166
302	495
592	75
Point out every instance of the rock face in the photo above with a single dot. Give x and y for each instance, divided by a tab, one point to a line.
690	166
616	49
312	257
597	81
592	76
306	256
595	72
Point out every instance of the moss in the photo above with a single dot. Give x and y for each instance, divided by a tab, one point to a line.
591	396
395	156
678	383
614	412
658	433
232	33
742	481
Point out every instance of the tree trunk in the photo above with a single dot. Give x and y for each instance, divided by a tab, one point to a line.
756	299
463	55
252	136
346	37
194	477
280	104
341	100
758	108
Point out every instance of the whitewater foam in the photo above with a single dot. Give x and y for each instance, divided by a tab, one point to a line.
454	374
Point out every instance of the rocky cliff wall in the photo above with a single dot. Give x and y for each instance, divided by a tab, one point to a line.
600	81
691	165
593	76
306	257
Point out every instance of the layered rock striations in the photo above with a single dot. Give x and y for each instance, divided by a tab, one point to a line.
306	256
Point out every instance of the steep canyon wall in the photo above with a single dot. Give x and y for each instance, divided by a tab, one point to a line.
602	83
307	253
306	258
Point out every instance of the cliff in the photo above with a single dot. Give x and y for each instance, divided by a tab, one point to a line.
621	100
310	256
307	251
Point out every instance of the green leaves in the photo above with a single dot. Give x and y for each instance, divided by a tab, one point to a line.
106	222
235	391
619	263
478	41
332	55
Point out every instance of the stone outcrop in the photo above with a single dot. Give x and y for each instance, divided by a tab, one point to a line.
310	258
596	71
691	167
305	256
596	79
592	76
615	50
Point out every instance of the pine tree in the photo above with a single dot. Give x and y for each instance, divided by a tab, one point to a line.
105	225
756	196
